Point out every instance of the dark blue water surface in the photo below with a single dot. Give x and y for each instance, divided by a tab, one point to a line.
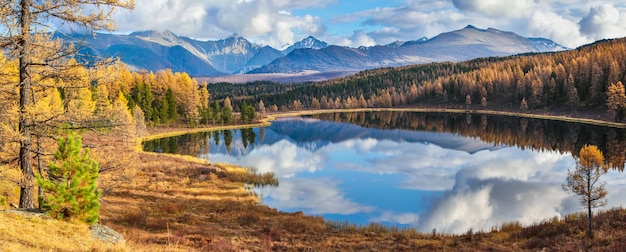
449	172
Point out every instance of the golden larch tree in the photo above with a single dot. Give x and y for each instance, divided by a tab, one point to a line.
584	181
24	33
616	99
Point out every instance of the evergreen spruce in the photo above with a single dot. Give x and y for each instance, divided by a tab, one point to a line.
216	111
227	115
71	183
172	111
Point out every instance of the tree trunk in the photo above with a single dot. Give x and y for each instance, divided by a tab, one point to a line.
27	187
590	230
40	171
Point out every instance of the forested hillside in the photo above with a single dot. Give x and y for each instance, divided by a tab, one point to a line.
589	77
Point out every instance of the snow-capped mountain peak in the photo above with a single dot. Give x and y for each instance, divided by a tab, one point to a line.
309	42
546	45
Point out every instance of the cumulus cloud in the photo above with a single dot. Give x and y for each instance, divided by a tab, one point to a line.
570	23
496	8
603	21
526	188
278	22
314	196
450	189
485	203
283	158
358	38
267	21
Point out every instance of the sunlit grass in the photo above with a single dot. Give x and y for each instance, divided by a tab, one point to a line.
28	233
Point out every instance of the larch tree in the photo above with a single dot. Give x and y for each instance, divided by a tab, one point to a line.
204	106
315	103
571	93
140	123
261	107
24	30
228	103
523	104
123	117
616	99
584	181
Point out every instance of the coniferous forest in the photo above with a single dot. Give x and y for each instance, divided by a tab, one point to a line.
590	77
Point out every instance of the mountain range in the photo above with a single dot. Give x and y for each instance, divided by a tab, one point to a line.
153	51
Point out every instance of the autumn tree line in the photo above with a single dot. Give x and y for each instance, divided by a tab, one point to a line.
592	76
103	95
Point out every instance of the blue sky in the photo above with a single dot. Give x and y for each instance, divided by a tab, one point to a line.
370	22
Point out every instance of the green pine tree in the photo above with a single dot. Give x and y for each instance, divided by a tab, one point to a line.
227	115
171	105
216	111
71	184
247	113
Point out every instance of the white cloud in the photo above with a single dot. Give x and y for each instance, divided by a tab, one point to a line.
263	21
314	196
273	22
283	158
459	187
556	27
400	218
603	21
359	38
497	8
461	211
526	188
570	23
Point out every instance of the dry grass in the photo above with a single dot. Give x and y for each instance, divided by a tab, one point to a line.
30	233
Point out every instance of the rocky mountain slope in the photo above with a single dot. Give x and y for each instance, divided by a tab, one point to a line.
467	43
153	51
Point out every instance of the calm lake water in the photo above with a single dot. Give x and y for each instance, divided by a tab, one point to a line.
451	172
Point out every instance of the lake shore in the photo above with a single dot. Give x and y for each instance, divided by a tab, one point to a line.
184	203
167	202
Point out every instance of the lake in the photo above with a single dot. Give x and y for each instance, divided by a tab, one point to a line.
446	171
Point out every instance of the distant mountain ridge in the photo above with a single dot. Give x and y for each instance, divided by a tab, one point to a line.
153	51
467	43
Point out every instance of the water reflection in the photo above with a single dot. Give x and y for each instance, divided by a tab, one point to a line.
462	173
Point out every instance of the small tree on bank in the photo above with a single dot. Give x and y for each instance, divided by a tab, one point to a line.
71	183
584	181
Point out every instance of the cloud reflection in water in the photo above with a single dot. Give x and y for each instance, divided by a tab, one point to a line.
418	183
